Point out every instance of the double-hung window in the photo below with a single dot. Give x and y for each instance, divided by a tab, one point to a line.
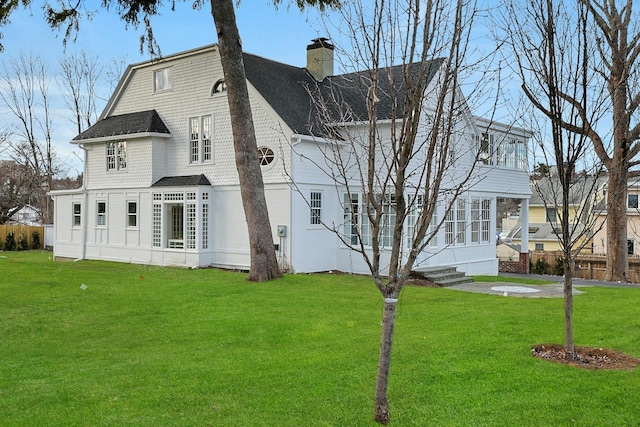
552	215
132	214
77	214
480	220
162	79
101	210
455	223
315	207
116	156
200	149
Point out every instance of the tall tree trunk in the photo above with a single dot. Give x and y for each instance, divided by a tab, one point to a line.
264	265
617	258
384	362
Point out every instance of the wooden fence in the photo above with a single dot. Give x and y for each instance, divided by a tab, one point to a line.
587	266
20	230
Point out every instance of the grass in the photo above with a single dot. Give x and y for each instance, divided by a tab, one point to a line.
513	279
150	346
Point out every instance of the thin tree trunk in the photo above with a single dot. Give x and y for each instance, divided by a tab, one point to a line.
384	362
617	258
264	265
568	307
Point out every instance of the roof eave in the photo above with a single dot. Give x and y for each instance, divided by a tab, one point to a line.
122	136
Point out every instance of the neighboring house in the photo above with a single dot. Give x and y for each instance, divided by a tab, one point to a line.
27	215
508	251
543	213
160	184
633	220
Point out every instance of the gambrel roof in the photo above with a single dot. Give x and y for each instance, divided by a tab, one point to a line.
142	122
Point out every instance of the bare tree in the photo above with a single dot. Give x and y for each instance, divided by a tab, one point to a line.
617	39
80	75
16	188
25	92
613	41
554	57
396	140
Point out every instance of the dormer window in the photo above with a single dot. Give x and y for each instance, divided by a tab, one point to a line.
162	79
219	87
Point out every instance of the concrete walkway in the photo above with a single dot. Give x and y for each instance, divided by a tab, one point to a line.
576	281
520	290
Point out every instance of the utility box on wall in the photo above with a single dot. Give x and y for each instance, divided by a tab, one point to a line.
282	231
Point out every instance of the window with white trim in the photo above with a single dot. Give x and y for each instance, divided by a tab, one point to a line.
388	222
205	221
480	220
157	220
512	153
200	149
485	221
351	217
76	209
632	201
485	144
116	156
552	215
190	226
356	220
455	224
101	212
315	208
461	222
132	214
219	87
162	79
178	218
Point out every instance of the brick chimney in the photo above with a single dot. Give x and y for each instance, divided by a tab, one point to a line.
320	58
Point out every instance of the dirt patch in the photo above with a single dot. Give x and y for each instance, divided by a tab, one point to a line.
420	281
586	357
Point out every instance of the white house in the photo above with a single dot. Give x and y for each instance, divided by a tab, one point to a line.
160	184
27	215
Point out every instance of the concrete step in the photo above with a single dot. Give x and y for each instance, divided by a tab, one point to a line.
443	275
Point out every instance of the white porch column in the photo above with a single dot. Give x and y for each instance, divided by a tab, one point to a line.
524	232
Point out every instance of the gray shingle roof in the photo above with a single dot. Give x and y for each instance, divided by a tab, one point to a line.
287	89
125	124
182	181
283	87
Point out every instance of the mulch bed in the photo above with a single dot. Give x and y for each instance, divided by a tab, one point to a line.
586	357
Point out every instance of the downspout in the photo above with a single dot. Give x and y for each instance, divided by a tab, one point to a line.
85	205
291	234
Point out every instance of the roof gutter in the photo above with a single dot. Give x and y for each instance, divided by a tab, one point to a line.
85	207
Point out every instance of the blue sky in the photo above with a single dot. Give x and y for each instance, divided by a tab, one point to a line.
280	34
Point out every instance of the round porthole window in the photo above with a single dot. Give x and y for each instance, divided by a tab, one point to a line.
266	156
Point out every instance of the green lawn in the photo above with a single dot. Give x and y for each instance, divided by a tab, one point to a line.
512	279
148	346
